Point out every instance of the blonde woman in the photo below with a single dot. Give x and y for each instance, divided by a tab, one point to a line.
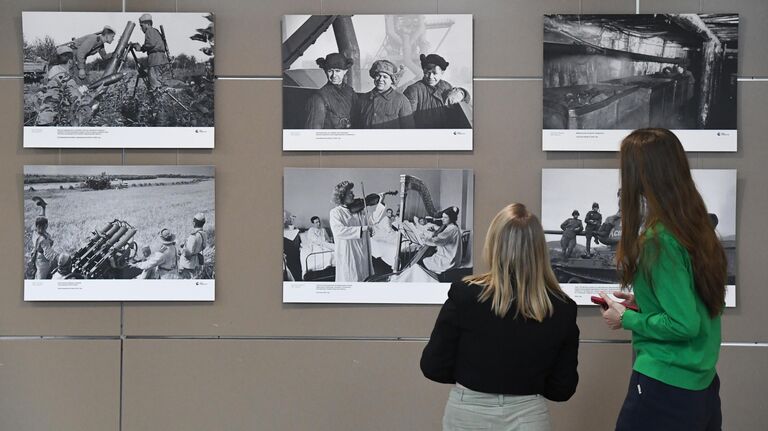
508	338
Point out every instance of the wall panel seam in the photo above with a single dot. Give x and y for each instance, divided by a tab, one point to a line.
298	338
478	78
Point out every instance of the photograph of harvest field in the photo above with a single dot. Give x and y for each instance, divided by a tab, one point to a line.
119	222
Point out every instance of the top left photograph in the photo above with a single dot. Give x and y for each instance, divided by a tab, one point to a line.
118	80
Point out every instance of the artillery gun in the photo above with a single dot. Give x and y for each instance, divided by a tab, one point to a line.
107	252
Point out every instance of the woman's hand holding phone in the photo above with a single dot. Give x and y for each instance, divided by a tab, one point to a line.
613	312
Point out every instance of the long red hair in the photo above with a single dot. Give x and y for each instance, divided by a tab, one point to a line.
654	167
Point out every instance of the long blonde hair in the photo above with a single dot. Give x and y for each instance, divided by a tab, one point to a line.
517	253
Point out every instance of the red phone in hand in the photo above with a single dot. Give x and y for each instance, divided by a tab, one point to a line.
601	302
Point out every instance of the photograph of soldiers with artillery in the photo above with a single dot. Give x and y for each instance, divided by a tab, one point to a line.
377	82
119	233
375	235
120	73
582	222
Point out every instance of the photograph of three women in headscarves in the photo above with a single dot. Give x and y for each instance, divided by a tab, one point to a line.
377	72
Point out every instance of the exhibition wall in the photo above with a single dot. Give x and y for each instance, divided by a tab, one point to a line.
248	361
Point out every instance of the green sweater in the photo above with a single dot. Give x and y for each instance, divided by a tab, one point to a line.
674	338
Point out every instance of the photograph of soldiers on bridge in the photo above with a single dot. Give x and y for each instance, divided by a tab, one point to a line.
406	77
582	222
149	230
118	70
615	73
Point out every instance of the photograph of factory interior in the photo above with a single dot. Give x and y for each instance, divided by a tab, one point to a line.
630	71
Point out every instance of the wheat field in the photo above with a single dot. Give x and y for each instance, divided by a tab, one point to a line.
74	214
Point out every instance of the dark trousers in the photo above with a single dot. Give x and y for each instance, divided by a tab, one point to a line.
657	406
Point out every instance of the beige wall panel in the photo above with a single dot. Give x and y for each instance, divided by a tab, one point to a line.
277	385
670	6
150	157
753	33
378	7
59	385
743	379
602	6
604	371
91	5
749	321
508	33
16	316
150	5
248	35
10	31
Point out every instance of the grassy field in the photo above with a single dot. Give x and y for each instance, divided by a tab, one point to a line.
74	214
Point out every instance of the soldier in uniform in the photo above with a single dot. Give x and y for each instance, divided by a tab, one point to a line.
65	267
154	46
191	253
428	97
384	107
331	106
164	261
570	227
60	84
88	45
610	231
593	221
43	255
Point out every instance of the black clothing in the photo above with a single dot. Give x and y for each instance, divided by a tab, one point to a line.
655	405
472	346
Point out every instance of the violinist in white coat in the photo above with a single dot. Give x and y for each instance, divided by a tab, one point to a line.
447	240
352	227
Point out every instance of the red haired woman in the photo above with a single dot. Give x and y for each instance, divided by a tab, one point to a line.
671	256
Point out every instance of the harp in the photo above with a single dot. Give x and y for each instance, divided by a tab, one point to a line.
415	200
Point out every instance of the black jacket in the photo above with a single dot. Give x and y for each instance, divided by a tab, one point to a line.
472	346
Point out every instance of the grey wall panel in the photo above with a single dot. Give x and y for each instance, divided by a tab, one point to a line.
508	33
748	322
322	385
91	6
604	371
670	6
743	379
59	385
277	385
248	34
10	31
378	7
150	5
150	157
16	316
600	6
753	33
96	156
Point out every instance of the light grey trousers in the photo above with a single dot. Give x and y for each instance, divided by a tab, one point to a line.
471	410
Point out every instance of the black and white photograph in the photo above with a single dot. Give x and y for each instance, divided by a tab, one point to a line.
377	82
375	235
119	233
118	80
606	75
582	222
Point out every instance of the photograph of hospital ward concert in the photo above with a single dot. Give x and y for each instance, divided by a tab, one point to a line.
377	225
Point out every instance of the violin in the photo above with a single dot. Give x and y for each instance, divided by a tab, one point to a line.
372	199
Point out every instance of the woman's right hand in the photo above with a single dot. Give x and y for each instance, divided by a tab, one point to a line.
627	297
